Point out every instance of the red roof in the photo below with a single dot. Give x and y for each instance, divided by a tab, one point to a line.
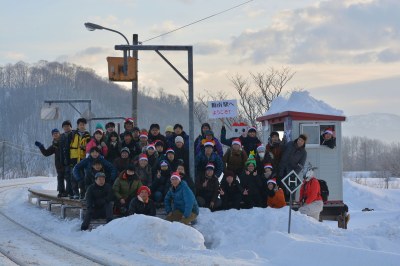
278	117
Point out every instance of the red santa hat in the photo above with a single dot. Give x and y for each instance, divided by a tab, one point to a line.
252	129
237	141
129	120
260	147
143	157
210	166
169	150
145	188
99	130
273	180
176	175
268	165
328	131
144	134
151	146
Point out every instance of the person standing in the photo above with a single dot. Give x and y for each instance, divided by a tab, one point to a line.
64	150
54	148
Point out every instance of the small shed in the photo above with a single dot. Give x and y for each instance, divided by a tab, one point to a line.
329	161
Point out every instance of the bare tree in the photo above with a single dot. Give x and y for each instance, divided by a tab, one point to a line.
257	93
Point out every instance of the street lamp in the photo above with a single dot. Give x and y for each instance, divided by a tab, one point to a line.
92	27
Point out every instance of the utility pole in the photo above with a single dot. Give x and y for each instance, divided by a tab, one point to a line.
3	158
135	84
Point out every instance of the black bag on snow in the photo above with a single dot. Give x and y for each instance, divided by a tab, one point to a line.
324	189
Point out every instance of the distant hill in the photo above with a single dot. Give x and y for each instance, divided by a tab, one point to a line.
385	127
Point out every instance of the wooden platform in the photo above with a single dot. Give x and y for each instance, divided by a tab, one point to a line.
50	197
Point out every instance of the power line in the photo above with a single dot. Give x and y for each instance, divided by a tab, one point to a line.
197	21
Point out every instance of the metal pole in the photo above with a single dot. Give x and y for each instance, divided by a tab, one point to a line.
191	115
90	116
135	83
290	212
4	148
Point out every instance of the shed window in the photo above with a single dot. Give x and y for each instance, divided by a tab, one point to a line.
312	131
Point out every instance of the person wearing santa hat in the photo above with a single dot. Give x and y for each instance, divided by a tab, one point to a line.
143	140
207	187
142	204
327	138
161	183
180	202
276	197
208	156
143	170
235	157
261	157
152	155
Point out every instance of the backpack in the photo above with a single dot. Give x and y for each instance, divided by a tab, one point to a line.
324	190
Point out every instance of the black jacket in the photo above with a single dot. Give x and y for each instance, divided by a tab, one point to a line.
54	149
137	206
293	158
64	146
98	196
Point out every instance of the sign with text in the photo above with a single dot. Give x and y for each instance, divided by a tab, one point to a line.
222	109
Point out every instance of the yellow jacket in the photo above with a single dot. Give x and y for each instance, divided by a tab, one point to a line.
78	145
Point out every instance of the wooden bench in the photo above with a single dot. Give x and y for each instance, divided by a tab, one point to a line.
50	197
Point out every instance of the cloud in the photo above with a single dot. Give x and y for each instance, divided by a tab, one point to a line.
352	31
209	47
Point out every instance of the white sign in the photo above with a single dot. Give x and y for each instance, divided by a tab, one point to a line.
292	182
221	109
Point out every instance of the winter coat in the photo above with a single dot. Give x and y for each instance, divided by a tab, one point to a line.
144	174
181	198
153	139
217	146
54	148
189	182
78	145
249	182
125	187
86	165
182	154
210	192
94	143
65	143
171	140
113	151
232	192
310	191
202	160
277	199
138	206
331	143
153	159
235	160
275	153
134	148
293	158
262	161
98	196
122	163
162	183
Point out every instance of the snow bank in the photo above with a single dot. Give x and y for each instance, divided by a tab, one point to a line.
301	101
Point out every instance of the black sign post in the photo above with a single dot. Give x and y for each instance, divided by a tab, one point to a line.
292	182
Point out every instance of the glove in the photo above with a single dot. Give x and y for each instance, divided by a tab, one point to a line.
38	144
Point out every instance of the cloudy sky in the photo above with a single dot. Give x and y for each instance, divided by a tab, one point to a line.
346	53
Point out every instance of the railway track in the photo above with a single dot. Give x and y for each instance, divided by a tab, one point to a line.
15	237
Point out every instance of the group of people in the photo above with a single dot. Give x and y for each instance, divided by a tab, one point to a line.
139	170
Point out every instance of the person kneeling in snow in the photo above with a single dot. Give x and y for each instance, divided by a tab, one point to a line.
180	202
142	204
310	196
98	201
276	197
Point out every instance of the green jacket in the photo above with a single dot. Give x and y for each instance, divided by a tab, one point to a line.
126	187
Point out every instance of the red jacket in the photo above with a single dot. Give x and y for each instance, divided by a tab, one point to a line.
93	143
310	191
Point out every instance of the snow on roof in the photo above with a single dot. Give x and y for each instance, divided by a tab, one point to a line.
301	101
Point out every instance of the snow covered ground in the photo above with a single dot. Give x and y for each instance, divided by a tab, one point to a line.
245	237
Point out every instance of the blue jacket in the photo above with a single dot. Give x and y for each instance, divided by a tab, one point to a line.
201	161
86	164
181	198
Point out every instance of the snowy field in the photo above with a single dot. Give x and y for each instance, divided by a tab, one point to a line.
245	237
